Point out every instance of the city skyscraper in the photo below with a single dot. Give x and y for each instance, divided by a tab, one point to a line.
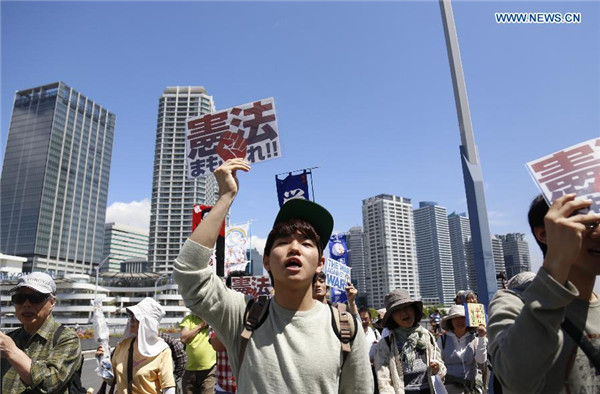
391	256
356	259
123	242
173	195
460	232
434	254
498	256
516	253
54	185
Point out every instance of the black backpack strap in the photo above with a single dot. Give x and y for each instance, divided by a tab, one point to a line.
130	368
584	343
255	315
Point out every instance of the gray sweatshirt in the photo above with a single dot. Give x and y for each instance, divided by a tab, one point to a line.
530	352
292	351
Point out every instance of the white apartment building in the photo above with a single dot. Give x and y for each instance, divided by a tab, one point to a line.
391	256
434	254
123	242
173	195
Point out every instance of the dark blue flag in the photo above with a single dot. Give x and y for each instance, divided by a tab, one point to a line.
292	186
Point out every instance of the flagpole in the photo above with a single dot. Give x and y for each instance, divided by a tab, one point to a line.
312	184
290	172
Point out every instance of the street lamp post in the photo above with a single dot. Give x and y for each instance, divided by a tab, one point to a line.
156	284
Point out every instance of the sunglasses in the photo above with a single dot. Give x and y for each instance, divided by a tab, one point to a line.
34	298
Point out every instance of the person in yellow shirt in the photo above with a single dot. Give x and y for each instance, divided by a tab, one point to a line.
200	371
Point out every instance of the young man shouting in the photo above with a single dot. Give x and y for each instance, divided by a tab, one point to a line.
295	349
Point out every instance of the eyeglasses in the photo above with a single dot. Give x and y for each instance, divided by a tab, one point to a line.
34	298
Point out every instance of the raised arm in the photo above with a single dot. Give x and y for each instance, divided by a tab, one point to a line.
207	232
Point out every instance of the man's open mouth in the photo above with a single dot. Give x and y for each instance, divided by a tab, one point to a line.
293	263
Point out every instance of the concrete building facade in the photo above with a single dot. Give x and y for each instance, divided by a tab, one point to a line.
390	250
173	195
434	254
123	242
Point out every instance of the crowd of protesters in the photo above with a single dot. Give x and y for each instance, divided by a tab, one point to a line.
544	328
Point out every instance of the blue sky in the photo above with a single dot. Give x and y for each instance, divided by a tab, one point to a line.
362	89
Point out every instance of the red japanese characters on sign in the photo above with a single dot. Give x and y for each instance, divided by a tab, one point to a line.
572	170
248	131
252	285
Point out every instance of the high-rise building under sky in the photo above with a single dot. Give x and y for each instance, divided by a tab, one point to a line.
123	242
391	257
173	195
460	233
516	253
434	254
54	185
356	259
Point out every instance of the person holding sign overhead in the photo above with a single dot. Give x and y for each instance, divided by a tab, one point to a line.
290	345
461	352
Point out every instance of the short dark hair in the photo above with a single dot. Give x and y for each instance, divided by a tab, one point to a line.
287	228
290	227
364	309
319	275
537	211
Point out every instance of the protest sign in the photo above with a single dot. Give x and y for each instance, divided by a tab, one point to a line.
572	170
475	314
236	248
246	131
252	285
338	250
337	274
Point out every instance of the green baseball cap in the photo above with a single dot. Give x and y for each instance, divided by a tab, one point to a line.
313	213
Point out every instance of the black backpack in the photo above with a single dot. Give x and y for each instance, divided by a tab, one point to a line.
74	384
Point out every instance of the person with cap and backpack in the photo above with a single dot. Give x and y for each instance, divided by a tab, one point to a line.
462	351
408	357
42	355
291	345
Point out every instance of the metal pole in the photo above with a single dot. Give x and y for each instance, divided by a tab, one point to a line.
472	174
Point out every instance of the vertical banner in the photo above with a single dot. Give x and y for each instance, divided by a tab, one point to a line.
292	186
338	251
575	169
237	243
218	257
247	131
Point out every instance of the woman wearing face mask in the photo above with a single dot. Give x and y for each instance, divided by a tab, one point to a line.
142	348
407	359
461	351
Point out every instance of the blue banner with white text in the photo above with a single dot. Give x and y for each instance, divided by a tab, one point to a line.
292	186
338	250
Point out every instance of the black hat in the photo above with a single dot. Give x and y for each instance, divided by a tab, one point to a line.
311	212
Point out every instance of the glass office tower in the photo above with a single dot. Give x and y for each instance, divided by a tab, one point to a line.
54	184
